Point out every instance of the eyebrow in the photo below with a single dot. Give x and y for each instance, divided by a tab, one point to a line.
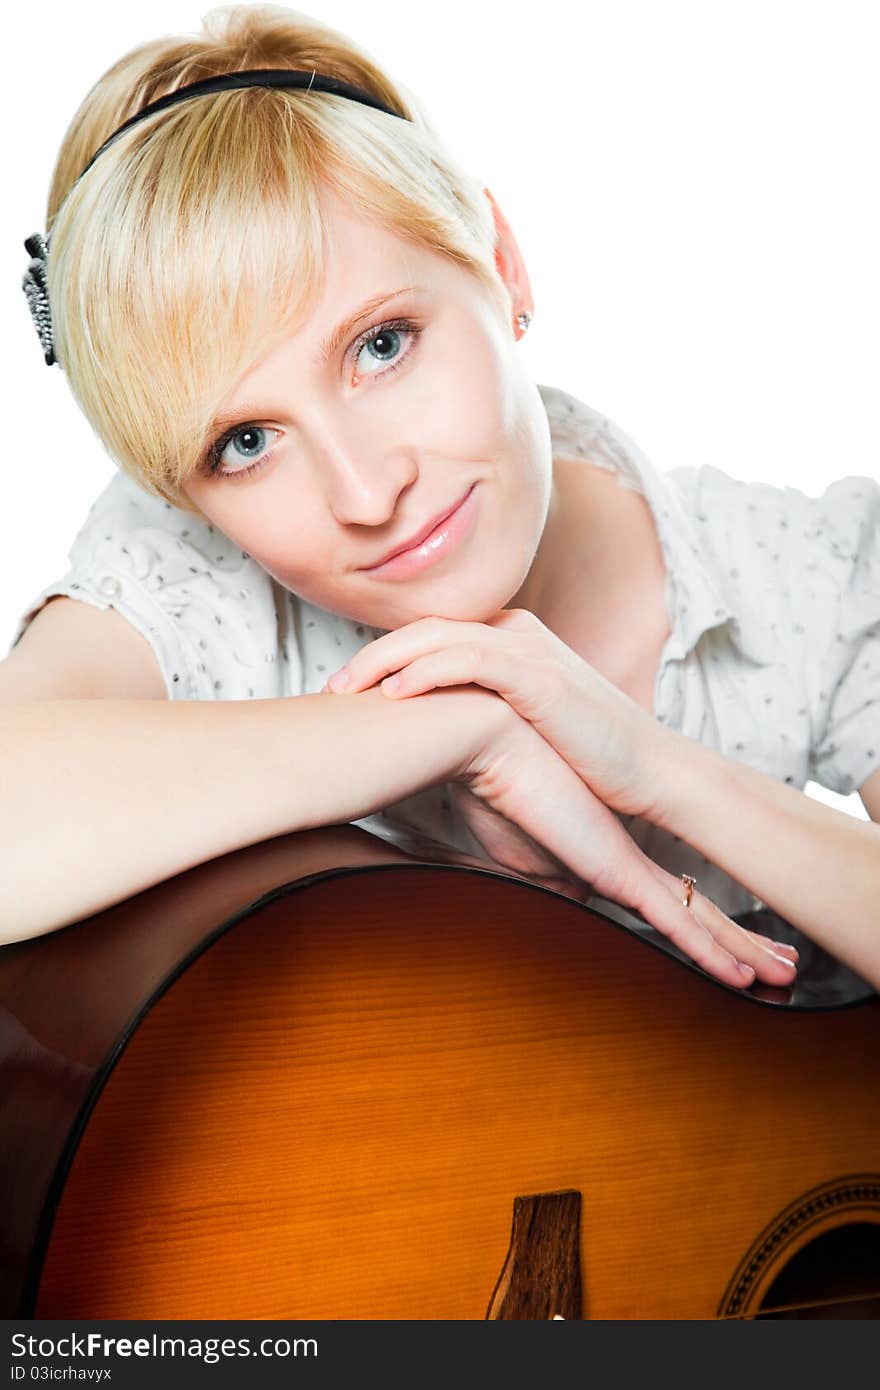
326	350
342	330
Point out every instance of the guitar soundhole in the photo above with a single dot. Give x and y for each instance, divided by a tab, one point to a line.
837	1275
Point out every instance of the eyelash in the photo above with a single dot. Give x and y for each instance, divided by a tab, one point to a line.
214	452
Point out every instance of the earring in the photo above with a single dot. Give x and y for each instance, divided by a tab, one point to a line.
524	319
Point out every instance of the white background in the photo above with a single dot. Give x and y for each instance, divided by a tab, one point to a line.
694	187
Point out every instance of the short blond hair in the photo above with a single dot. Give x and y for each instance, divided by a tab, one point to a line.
167	275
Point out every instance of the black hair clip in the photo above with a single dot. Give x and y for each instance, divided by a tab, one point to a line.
36	291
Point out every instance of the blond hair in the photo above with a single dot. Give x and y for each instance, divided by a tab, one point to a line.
168	276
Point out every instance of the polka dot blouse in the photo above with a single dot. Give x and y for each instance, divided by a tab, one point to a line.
774	599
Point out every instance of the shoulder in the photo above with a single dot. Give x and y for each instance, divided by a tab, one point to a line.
844	517
208	609
780	542
802	573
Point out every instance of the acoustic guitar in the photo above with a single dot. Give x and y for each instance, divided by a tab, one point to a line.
329	1076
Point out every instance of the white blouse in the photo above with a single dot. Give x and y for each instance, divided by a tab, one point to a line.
773	657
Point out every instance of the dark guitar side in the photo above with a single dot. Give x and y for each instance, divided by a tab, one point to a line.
311	1079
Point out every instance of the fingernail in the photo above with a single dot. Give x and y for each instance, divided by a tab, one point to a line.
784	960
339	680
784	946
391	683
745	970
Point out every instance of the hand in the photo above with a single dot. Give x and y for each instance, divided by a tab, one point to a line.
605	737
534	800
533	815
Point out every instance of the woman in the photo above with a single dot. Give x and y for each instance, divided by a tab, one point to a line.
289	408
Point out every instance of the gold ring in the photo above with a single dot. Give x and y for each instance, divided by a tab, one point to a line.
689	884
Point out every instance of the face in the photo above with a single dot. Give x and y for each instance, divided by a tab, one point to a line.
422	401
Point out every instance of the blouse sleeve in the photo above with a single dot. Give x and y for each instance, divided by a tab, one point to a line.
207	608
846	745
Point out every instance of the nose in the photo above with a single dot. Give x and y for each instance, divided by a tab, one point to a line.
363	477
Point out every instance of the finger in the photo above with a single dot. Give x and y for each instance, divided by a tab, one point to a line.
666	911
528	689
770	965
396	649
781	947
459	665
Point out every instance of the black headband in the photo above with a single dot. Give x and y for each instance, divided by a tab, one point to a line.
34	282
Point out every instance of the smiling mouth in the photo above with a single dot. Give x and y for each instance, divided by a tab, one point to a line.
419	537
439	541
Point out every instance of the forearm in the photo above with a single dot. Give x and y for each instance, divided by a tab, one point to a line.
100	799
817	867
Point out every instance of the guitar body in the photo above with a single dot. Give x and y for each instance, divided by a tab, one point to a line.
314	1078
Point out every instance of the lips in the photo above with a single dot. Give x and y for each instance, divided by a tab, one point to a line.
418	536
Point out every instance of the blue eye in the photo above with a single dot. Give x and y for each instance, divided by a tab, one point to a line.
247	441
251	434
385	345
384	342
253	447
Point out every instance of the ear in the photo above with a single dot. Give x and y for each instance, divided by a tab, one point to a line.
509	262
